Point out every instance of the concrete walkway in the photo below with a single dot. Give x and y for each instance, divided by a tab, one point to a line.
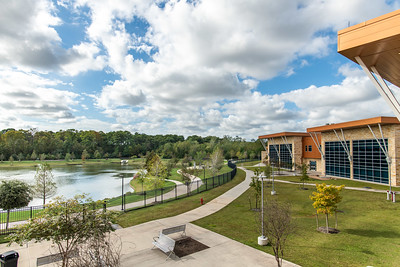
137	247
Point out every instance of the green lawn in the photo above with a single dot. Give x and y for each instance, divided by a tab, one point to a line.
370	233
177	206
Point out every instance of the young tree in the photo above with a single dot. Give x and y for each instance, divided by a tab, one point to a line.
44	186
278	226
140	176
156	173
11	159
2	157
33	155
69	224
216	161
42	157
256	185
304	176
326	199
14	194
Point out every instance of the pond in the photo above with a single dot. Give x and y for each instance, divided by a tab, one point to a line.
99	181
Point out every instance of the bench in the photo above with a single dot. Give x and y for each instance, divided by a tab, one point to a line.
165	244
175	229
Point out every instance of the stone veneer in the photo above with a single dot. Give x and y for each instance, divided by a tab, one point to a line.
391	132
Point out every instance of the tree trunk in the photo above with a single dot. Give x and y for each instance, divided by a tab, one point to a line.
8	219
317	219
336	220
327	223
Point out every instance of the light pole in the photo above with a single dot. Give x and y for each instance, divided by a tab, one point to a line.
262	240
122	192
273	192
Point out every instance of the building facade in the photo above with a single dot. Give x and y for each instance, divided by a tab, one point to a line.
367	150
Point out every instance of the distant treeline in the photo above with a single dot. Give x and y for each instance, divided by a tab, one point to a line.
71	144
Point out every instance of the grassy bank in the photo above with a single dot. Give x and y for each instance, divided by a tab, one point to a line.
178	206
369	233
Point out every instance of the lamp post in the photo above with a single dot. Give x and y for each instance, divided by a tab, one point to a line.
273	192
122	192
262	240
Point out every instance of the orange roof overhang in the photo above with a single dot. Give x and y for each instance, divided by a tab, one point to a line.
355	124
377	43
287	134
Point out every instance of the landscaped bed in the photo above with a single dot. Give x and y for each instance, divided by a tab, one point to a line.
369	231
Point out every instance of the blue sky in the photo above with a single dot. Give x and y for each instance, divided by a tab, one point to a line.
211	67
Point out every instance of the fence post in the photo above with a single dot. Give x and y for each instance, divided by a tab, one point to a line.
162	192
144	198
213	181
125	201
31	212
206	184
197	186
176	193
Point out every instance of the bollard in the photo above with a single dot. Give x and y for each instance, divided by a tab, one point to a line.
201	201
394	196
387	195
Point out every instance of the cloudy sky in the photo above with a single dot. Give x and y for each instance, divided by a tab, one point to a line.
211	67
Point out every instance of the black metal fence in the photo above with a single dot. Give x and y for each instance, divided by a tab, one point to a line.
138	200
9	220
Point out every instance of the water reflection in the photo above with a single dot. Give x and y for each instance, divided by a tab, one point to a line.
99	181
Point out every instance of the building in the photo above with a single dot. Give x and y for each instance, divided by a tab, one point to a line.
367	150
288	149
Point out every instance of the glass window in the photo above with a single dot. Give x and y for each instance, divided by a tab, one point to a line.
286	157
310	148
369	161
306	148
336	161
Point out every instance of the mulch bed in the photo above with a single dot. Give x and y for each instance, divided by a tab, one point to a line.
188	246
322	229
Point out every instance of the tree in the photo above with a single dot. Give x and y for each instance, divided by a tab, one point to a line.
304	176
69	224
44	186
67	157
14	194
216	161
278	226
97	154
140	176
256	185
2	157
85	155
326	199
156	173
11	159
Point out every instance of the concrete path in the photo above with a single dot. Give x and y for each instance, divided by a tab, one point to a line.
137	247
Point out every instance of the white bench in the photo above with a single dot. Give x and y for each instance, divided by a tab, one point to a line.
164	243
175	229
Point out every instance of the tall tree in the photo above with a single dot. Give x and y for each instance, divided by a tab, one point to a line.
44	186
14	194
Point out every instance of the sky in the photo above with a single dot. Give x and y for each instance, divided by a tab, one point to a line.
213	67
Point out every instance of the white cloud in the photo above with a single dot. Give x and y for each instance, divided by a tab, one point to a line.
31	96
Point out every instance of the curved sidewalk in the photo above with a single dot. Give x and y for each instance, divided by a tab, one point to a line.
137	248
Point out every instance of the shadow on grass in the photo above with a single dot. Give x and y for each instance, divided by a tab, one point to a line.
372	233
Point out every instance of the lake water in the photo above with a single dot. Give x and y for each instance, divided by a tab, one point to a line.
99	181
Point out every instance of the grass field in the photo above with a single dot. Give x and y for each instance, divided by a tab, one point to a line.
178	206
370	234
